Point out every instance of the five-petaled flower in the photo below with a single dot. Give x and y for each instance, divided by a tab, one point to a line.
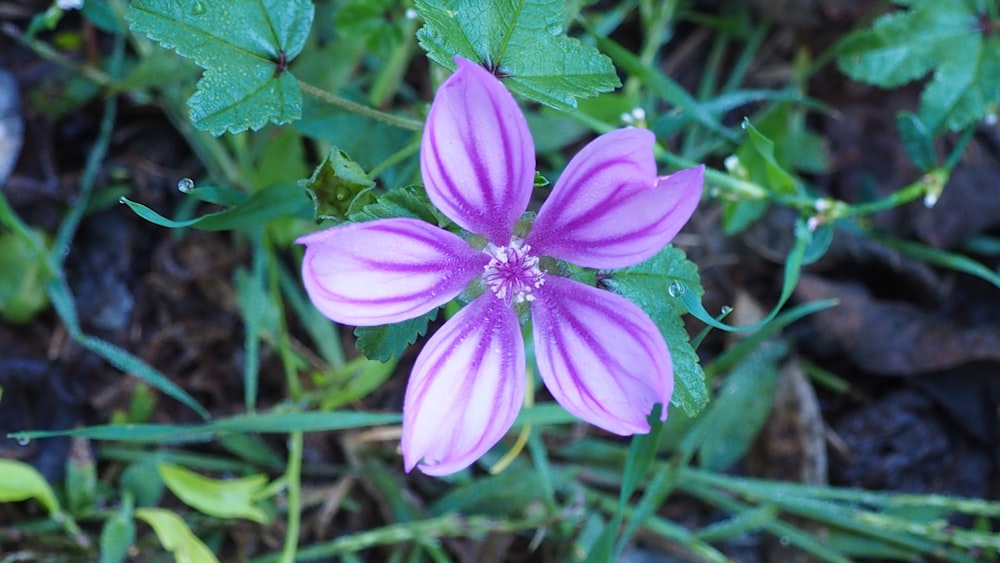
599	355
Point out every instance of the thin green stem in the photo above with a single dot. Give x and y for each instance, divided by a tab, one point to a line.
396	157
371	113
294	508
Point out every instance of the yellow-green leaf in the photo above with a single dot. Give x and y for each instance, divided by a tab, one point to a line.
20	481
222	498
175	536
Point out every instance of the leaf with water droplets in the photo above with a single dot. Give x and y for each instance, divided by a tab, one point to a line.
656	286
523	42
245	49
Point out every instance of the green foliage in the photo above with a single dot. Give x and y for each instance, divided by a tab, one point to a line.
337	186
410	201
957	40
118	534
22	287
281	200
20	481
245	50
647	285
389	341
175	536
741	409
522	41
225	498
367	20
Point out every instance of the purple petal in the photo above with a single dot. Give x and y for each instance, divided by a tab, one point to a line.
609	209
386	271
466	388
600	356
477	157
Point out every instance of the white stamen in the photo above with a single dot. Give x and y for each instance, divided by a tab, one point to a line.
512	273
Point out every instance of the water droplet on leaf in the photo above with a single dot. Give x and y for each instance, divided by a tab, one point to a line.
726	309
23	441
185	185
198	9
675	289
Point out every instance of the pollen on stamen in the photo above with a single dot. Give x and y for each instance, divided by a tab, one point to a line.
512	274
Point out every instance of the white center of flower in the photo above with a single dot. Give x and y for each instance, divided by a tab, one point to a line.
512	273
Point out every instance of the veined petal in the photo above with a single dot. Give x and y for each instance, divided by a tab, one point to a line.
476	156
386	271
600	356
466	388
609	209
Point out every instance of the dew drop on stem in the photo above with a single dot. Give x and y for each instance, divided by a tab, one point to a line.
185	185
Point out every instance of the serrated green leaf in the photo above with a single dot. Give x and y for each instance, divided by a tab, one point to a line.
410	201
244	48
175	536
338	185
281	200
952	38
523	42
385	342
647	285
222	498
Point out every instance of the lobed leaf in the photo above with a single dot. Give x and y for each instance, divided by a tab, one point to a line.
951	38
522	41
245	49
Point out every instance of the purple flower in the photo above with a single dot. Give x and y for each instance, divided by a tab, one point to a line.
600	356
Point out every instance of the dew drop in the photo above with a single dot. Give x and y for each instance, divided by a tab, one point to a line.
784	540
185	185
675	289
726	309
23	441
198	9
122	200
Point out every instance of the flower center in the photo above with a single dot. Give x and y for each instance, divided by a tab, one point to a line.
512	274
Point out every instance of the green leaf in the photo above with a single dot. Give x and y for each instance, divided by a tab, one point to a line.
273	202
521	41
410	201
118	534
22	285
385	342
641	453
756	154
741	408
338	185
647	285
20	481
175	535
954	39
222	498
355	381
917	140
244	48
269	423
